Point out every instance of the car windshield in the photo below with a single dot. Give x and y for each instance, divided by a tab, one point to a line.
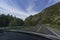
24	18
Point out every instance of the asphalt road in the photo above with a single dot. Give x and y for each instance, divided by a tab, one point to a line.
38	29
54	31
44	30
19	36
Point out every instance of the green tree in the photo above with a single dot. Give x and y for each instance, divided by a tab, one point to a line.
12	23
9	20
16	22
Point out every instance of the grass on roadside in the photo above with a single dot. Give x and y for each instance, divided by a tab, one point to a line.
57	27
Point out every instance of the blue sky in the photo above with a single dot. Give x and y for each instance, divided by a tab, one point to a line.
24	8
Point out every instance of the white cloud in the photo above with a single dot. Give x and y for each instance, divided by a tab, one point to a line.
13	11
30	8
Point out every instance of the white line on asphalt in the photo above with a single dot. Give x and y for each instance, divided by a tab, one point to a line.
53	32
39	29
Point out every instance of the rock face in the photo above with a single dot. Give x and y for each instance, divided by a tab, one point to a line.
50	15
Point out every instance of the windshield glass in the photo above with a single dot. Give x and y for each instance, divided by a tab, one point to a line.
40	17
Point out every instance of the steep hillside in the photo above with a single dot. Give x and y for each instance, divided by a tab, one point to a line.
50	15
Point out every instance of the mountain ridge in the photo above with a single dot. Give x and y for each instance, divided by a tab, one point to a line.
50	15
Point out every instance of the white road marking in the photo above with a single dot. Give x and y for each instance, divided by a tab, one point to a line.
53	32
39	29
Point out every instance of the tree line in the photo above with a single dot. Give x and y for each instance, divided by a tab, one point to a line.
9	20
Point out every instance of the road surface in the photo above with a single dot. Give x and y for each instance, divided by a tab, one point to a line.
44	30
19	36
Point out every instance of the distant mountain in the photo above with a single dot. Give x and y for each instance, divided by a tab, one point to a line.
50	15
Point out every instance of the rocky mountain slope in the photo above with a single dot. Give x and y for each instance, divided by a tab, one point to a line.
50	15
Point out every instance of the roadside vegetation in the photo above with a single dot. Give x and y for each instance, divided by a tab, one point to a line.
9	20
